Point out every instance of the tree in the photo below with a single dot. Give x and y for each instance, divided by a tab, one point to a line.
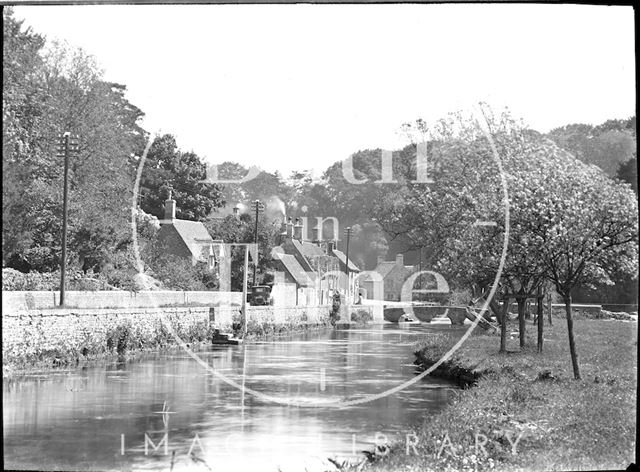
607	145
589	228
22	105
440	215
628	172
50	90
466	188
241	230
184	173
367	243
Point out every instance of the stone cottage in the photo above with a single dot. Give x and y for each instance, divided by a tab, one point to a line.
184	238
323	264
394	274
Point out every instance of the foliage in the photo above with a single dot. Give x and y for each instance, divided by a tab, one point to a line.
589	229
167	168
60	89
367	244
117	335
467	188
461	297
568	221
628	172
361	316
607	145
13	280
241	230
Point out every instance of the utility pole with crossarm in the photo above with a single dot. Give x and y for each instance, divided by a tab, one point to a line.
67	145
347	232
258	207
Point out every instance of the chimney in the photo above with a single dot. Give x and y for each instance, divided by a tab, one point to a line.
170	208
400	259
297	230
289	228
331	245
236	211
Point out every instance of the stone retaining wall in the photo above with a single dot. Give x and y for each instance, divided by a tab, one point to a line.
35	335
579	309
586	311
224	316
65	335
35	300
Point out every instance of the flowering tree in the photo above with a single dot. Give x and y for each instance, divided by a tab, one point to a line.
588	226
467	187
568	222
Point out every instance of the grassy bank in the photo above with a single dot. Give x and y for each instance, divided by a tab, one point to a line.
561	423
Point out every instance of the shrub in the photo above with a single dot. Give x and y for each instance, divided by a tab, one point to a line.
460	297
13	280
361	316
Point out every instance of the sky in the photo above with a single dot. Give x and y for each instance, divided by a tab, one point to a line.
291	87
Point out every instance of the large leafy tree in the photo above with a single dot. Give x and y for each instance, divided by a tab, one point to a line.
589	228
184	174
466	189
52	89
367	244
607	145
22	105
569	222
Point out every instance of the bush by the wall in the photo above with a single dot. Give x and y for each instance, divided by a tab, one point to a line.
76	280
361	316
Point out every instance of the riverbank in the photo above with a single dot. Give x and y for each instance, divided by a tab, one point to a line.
526	412
63	339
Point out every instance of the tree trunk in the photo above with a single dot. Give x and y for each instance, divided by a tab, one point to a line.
550	311
521	320
572	344
503	325
540	320
495	308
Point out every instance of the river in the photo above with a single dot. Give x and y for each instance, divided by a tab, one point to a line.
99	418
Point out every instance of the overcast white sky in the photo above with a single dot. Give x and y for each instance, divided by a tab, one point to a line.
301	86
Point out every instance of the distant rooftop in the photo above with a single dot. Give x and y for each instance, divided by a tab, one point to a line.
342	258
295	269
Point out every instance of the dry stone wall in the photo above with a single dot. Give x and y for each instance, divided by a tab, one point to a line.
34	300
67	335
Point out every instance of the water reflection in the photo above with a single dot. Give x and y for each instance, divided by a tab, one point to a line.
97	418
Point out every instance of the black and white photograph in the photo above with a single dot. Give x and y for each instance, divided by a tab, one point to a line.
319	237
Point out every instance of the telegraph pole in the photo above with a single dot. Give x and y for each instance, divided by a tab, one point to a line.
420	276
244	287
66	145
258	207
347	232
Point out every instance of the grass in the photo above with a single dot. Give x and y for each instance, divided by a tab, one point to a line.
563	424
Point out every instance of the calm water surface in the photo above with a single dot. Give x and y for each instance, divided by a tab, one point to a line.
85	419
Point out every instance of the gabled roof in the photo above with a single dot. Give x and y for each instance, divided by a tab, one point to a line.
308	249
384	268
343	259
193	233
294	268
